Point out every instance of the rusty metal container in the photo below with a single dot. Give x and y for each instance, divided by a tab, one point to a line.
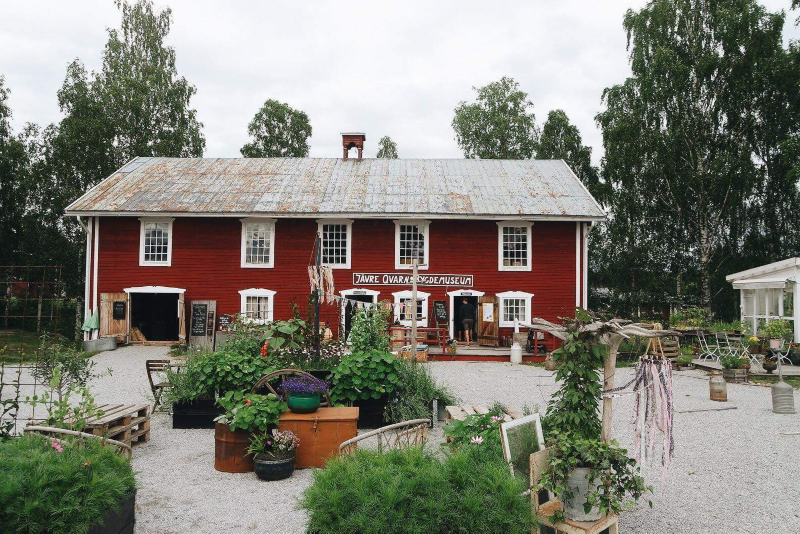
718	388
230	450
320	433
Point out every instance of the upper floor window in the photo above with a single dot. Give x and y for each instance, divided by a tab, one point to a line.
257	305
514	246
411	241
155	242
514	306
258	242
336	237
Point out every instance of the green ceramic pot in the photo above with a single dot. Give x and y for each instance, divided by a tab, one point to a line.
303	403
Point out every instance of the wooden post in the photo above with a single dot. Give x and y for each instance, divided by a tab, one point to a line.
414	273
609	368
318	263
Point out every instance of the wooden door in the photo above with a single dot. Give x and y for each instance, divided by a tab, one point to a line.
488	321
114	315
202	323
181	319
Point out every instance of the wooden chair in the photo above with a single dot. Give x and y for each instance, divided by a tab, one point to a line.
265	380
397	436
155	367
544	510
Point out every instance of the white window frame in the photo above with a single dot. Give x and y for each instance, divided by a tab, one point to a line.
257	292
425	226
345	222
515	224
528	297
170	234
407	294
258	220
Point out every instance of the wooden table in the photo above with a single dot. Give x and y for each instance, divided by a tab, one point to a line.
320	433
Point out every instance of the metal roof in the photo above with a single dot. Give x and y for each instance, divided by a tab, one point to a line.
328	187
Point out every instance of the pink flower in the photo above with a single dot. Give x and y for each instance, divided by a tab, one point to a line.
57	446
497	418
476	440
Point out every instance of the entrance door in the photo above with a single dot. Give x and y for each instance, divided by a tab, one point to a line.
351	303
114	315
488	321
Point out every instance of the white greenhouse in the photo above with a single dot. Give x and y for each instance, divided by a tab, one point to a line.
769	292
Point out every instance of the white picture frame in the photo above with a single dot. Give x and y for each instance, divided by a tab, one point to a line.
534	420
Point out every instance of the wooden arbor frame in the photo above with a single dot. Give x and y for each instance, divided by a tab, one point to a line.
265	380
397	436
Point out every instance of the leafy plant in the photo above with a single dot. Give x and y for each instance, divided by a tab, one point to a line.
575	406
43	489
250	412
733	326
476	429
683	360
616	483
732	361
368	331
69	407
191	381
689	318
365	375
415	392
411	491
230	370
776	329
278	444
73	367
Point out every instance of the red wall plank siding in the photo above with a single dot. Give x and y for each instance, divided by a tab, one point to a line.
206	262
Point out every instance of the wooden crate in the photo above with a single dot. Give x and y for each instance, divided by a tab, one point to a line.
128	423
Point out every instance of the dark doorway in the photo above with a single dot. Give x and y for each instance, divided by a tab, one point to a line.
156	315
350	308
459	326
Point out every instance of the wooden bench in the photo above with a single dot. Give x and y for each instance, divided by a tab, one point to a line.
127	423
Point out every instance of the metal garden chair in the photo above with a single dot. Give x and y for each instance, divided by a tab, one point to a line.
708	352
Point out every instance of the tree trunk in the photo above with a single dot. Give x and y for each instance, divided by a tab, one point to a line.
609	368
705	270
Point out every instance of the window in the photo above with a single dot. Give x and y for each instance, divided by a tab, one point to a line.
410	241
336	238
257	305
514	246
402	307
514	305
258	243
155	242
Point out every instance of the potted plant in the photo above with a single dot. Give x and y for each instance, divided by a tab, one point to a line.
754	345
365	379
591	478
733	368
775	330
244	415
303	393
273	454
769	364
452	346
682	362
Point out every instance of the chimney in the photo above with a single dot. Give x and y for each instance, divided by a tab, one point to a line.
353	140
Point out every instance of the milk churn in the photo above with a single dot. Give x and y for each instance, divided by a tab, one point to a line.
782	398
718	388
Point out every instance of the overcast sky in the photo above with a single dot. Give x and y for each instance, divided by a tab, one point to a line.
385	68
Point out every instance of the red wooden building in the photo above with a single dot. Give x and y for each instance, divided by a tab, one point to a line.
238	235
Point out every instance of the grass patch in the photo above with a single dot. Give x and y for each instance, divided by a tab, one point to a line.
43	490
793	381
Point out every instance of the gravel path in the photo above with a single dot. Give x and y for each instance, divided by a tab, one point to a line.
732	472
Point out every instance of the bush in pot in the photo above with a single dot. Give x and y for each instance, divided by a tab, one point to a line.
192	399
273	453
303	393
775	330
364	379
591	478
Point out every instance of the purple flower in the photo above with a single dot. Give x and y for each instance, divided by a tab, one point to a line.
300	385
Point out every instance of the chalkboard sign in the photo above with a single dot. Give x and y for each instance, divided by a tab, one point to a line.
199	319
119	310
440	311
225	322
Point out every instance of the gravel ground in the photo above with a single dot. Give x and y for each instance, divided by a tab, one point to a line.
732	471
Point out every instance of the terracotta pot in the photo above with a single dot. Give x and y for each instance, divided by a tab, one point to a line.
230	450
775	343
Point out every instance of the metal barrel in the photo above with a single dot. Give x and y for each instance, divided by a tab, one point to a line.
782	398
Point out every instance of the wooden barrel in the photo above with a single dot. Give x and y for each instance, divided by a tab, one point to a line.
230	450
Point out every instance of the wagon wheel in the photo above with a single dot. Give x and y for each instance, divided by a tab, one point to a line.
282	375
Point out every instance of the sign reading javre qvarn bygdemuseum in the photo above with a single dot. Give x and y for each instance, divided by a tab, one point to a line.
404	279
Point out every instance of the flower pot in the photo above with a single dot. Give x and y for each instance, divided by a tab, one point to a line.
769	366
230	450
269	468
370	412
303	402
119	520
756	349
580	488
775	344
199	413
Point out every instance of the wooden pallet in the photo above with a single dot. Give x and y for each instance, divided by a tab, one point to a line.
128	423
461	412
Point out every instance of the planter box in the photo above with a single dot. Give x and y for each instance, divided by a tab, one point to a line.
371	412
734	376
120	521
103	343
199	413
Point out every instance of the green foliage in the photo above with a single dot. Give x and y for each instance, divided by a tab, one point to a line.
193	380
776	329
731	326
732	361
369	330
250	412
416	390
275	444
499	125
617	484
43	490
387	148
73	367
689	318
277	131
229	370
365	375
575	406
683	360
68	406
285	336
475	430
409	490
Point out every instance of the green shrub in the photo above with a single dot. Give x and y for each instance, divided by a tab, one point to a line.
411	491
251	412
416	390
683	360
230	370
689	318
365	375
776	329
43	490
732	361
191	382
368	332
482	428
